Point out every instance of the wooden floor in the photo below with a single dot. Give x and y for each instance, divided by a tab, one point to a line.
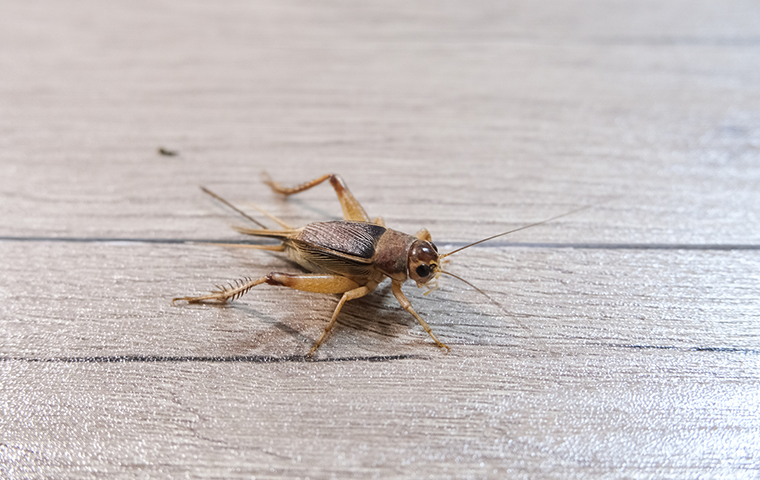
628	342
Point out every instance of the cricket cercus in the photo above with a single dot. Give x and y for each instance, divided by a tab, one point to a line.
349	257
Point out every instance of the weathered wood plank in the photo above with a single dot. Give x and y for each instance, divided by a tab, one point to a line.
97	300
479	412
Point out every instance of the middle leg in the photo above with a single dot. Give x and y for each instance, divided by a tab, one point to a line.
350	295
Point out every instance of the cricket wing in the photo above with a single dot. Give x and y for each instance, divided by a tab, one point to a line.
345	238
322	260
341	247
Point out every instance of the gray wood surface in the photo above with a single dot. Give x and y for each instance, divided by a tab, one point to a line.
628	345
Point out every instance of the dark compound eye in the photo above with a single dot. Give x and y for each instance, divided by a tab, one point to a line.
423	270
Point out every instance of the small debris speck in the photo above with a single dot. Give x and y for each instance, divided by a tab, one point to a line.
167	152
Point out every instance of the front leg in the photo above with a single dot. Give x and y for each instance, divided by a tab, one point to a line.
396	289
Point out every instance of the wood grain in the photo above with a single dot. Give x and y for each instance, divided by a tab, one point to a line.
627	343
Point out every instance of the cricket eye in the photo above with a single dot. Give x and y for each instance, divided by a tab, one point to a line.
423	270
422	261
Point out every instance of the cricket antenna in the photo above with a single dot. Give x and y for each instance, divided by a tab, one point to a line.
484	294
514	230
233	207
473	286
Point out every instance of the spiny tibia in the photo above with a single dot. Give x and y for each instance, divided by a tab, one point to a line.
235	289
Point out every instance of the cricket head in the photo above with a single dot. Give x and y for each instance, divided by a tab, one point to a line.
425	265
423	262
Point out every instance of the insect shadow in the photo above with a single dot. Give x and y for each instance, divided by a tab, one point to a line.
383	319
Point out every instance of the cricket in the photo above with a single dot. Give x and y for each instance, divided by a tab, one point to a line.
349	257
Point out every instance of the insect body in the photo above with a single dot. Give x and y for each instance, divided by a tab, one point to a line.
349	257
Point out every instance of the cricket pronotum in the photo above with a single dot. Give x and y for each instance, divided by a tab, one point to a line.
349	257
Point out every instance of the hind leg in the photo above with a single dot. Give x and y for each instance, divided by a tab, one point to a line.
352	209
304	282
307	283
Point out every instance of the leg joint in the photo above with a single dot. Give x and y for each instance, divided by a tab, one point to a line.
275	279
337	182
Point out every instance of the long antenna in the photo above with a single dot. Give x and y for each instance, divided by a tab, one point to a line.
485	295
473	286
516	230
209	192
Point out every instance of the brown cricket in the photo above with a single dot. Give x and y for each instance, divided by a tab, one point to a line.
349	257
